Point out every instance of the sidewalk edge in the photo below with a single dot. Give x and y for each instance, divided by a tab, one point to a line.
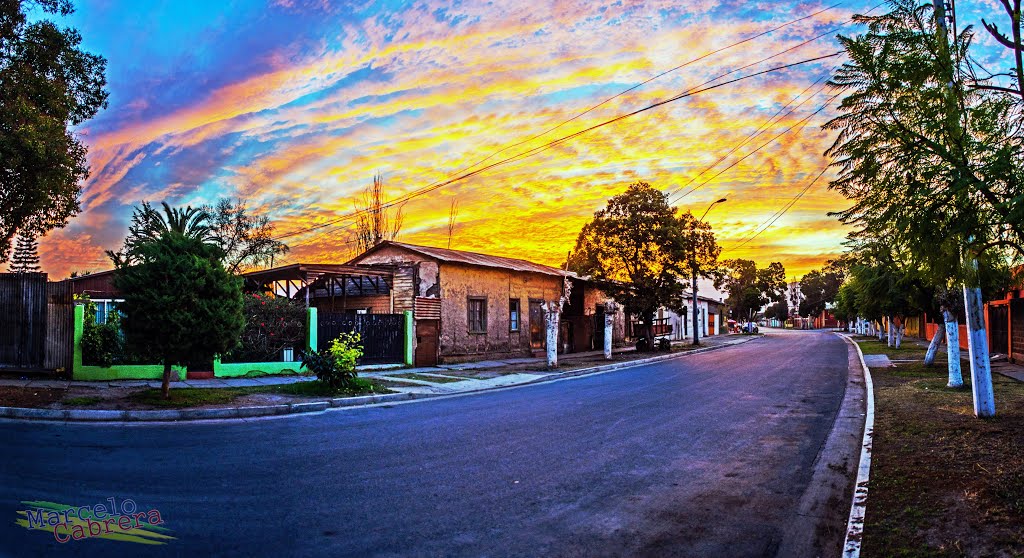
858	507
175	415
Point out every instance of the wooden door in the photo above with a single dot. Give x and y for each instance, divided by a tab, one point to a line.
426	342
537	333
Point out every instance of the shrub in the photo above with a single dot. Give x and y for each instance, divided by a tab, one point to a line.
335	366
271	324
102	344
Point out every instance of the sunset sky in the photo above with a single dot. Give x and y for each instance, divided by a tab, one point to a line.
293	106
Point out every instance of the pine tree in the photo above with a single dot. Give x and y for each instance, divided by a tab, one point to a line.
26	255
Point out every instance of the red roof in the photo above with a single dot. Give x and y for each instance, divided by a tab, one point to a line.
469	258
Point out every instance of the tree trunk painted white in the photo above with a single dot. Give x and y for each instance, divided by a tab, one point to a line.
956	379
551	312
977	346
609	322
890	332
933	347
696	325
881	331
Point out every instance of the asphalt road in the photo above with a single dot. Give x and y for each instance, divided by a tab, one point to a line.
706	455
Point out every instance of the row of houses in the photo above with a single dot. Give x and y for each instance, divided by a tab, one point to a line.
464	306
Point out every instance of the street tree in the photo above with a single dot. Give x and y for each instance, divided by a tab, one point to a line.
180	304
931	155
750	288
47	86
25	258
820	288
643	252
246	239
778	311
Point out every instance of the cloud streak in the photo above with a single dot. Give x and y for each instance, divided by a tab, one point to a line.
299	124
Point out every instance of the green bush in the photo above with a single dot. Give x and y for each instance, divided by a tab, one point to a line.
102	344
271	324
335	366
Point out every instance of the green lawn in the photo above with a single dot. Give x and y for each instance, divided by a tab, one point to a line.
909	349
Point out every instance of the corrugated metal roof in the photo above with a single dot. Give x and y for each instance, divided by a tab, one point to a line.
474	258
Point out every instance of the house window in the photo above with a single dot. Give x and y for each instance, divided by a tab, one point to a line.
513	314
103	309
476	309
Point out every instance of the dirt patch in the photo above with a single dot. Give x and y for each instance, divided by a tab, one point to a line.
23	397
944	482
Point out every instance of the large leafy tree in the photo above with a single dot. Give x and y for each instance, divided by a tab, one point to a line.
47	85
643	251
180	304
820	288
750	288
929	160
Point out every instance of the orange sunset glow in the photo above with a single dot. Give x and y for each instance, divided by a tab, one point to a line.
294	106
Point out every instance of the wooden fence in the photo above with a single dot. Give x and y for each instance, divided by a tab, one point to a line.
383	335
22	320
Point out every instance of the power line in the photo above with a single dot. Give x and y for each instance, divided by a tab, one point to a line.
548	145
645	82
756	132
685	64
778	214
803	120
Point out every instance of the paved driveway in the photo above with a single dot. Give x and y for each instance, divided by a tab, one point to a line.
706	455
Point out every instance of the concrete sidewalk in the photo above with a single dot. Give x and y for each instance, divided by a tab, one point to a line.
493	373
1008	369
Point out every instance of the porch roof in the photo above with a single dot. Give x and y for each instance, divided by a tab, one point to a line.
306	272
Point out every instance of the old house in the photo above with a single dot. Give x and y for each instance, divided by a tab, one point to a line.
470	306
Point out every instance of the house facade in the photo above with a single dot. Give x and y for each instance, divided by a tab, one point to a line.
680	324
471	306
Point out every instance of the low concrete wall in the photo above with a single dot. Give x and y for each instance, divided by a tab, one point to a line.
118	372
81	371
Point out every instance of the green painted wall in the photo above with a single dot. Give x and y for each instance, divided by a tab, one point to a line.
80	371
236	369
311	320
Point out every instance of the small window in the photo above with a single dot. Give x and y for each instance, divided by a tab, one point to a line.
513	314
476	310
103	309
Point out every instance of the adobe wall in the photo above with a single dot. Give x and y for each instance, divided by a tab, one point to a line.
458	282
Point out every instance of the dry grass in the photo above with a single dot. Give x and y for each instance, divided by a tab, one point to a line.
943	482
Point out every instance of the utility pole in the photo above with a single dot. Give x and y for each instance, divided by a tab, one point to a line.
693	268
977	340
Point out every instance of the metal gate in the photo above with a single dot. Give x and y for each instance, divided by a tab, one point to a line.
22	319
383	335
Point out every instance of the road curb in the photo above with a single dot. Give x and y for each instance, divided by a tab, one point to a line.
176	415
855	524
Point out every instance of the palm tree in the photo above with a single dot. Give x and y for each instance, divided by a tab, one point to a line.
148	225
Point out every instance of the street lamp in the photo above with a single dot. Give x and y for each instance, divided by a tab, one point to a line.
696	322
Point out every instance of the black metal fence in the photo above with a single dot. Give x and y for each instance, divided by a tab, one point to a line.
22	320
383	335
